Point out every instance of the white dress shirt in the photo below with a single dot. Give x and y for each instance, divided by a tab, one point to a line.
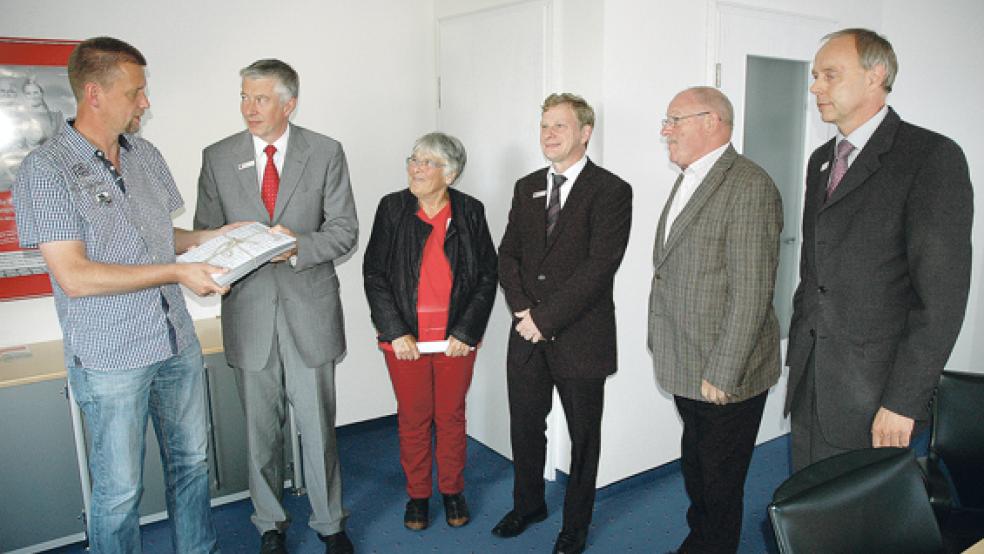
693	176
571	174
860	136
278	157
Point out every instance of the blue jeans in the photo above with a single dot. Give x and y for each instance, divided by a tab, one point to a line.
116	405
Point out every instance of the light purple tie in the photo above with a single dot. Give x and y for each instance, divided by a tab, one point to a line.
844	150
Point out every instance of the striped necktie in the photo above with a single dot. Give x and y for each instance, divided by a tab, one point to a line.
844	150
553	206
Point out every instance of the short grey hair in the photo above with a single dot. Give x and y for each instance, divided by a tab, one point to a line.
716	102
287	82
873	49
447	148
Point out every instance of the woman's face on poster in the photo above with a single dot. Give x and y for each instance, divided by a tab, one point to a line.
33	95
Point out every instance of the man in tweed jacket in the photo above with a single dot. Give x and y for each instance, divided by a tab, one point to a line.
712	329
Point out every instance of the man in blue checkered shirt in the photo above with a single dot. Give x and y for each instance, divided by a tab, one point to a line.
96	199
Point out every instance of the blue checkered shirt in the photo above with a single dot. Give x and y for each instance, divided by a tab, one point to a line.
65	192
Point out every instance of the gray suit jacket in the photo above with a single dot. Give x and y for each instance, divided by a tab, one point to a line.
710	306
884	277
315	202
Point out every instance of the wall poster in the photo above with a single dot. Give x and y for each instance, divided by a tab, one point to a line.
35	101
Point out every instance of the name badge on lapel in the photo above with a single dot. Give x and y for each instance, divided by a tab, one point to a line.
824	166
247	165
540	193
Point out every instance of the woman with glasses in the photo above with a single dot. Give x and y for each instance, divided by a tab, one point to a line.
430	277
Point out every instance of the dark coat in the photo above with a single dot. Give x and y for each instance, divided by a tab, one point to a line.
884	276
567	281
391	267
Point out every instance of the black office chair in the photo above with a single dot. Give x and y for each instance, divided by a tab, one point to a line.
955	465
871	500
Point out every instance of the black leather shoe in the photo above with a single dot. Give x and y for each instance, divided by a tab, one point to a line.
416	516
338	543
456	510
512	524
571	542
273	542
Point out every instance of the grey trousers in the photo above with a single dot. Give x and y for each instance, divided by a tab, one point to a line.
311	391
807	442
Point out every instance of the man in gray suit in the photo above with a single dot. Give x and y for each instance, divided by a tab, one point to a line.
282	324
712	329
885	268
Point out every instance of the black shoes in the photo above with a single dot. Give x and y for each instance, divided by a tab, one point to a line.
512	524
338	543
456	510
273	542
571	542
415	518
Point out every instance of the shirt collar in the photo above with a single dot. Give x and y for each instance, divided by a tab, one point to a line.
700	168
82	146
860	136
281	144
572	172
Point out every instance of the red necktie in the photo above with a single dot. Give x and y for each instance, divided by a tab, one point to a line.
271	181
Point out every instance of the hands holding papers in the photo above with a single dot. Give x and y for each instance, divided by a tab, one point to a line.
407	348
241	250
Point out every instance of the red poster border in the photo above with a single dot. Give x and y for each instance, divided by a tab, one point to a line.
26	51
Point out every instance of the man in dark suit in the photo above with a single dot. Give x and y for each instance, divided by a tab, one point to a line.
712	329
282	324
885	267
567	231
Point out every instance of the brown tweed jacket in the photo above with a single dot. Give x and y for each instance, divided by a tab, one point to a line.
710	306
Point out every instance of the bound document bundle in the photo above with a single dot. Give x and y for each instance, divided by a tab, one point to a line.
240	251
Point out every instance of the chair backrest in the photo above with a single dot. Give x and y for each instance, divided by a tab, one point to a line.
871	500
958	434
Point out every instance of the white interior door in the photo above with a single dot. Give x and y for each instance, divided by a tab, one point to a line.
739	34
492	66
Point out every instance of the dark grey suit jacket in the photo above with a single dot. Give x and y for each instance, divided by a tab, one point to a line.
710	304
567	281
884	275
315	202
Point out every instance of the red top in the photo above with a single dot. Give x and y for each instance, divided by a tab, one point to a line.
434	287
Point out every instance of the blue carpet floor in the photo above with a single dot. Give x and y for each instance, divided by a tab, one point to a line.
644	513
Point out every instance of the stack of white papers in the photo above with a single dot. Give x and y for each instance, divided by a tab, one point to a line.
240	251
432	347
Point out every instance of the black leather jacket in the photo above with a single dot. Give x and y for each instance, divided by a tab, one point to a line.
391	267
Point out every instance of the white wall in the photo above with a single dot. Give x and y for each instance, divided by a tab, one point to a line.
366	72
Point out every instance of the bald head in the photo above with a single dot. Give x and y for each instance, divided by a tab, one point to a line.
716	102
698	121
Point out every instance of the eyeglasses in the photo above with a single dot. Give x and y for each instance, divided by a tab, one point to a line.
674	120
429	164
